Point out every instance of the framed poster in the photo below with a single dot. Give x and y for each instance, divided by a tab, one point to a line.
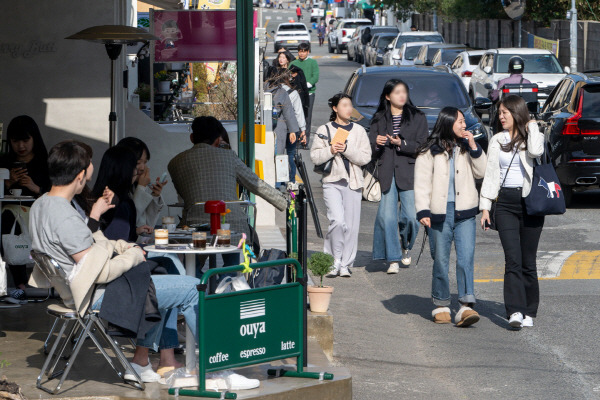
194	36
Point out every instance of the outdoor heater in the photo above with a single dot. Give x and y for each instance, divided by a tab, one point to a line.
113	37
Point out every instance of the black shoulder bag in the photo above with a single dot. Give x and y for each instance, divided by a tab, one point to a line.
325	168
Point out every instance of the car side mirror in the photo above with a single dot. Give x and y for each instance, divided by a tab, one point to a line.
567	70
419	62
390	47
482	103
487	70
488	86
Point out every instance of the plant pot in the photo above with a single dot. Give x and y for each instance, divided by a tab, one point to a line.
319	298
164	86
145	104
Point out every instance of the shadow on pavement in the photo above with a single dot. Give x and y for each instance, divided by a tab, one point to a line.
422	306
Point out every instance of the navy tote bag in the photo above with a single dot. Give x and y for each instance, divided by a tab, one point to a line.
546	196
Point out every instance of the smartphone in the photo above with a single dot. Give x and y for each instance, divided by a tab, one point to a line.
163	177
19	164
486	225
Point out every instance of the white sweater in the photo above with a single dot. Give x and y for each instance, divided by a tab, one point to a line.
491	182
358	152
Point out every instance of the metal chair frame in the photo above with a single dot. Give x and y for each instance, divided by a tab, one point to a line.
73	329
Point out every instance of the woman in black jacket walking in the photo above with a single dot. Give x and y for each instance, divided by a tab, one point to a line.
398	129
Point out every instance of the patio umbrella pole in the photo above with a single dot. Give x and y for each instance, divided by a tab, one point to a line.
113	51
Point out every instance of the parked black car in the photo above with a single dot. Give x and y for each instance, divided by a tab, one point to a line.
365	36
431	89
376	48
572	129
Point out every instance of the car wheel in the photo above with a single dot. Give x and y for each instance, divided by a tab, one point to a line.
329	48
338	49
568	193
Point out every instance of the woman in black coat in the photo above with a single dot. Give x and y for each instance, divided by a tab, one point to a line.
398	129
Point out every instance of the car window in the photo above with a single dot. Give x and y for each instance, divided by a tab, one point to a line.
436	57
474	60
431	52
534	63
591	101
553	101
384	41
421	54
411	52
483	61
423	38
294	27
457	63
433	91
350	84
354	25
450	54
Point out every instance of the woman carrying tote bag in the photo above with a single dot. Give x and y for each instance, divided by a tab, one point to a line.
447	201
342	186
512	155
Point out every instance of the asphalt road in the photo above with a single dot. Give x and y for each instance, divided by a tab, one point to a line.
383	328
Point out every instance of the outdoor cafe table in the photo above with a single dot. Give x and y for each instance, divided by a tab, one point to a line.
190	269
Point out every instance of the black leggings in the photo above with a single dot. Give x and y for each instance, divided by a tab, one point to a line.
520	235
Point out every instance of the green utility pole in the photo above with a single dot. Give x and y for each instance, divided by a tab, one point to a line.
245	80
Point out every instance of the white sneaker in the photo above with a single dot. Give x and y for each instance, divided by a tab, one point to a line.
333	272
527	322
406	259
516	320
345	272
239	382
394	268
146	373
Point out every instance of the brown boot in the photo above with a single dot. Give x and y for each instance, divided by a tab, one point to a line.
441	315
466	316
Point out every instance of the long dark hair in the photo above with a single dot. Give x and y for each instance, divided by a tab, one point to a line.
385	107
290	57
24	127
517	107
443	135
334	101
136	145
116	172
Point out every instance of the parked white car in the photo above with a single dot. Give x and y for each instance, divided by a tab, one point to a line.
340	36
541	68
464	64
408	37
405	55
289	35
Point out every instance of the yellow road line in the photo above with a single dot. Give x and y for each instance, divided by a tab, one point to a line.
581	265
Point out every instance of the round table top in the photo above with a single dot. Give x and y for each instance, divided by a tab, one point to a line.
208	251
17	198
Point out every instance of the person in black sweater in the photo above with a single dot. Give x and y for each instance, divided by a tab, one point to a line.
27	161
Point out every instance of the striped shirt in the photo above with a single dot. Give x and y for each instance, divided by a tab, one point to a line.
396	122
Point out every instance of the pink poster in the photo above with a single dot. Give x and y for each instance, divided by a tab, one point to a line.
195	36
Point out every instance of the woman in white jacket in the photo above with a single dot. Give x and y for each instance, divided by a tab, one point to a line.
342	187
508	177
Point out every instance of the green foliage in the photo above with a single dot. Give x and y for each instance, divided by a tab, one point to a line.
162	76
537	10
320	264
144	92
3	363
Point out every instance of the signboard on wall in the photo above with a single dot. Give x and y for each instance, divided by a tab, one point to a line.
537	42
194	36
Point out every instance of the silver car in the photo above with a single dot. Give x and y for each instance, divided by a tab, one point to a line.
410	36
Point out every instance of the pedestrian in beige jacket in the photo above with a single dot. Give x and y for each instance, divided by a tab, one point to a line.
447	202
342	187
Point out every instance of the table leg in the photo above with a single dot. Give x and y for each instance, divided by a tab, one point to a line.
212	282
190	340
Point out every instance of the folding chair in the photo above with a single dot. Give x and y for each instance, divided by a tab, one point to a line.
77	329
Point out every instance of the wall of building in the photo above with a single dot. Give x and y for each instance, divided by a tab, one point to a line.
63	84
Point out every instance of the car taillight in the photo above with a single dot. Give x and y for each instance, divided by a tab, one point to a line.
467	73
528	90
344	33
572	124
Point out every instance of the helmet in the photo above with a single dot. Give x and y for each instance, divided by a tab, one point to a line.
516	65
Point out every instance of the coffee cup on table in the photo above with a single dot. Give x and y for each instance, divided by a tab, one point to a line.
16	192
161	237
168	223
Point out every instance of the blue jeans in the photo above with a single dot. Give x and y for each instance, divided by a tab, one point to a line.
392	218
169	338
173	292
441	235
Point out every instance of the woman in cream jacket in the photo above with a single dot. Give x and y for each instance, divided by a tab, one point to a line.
342	188
446	200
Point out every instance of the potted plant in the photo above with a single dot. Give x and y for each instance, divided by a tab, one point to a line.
9	390
143	91
319	264
164	81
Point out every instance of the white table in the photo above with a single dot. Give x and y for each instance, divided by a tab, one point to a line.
190	269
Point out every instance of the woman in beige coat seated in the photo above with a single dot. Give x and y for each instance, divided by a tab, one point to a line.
447	202
342	187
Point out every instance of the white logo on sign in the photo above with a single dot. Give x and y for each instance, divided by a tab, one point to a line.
252	308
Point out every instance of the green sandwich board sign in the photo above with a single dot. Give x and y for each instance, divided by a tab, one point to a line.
250	327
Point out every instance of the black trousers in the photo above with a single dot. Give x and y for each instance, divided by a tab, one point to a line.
519	235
